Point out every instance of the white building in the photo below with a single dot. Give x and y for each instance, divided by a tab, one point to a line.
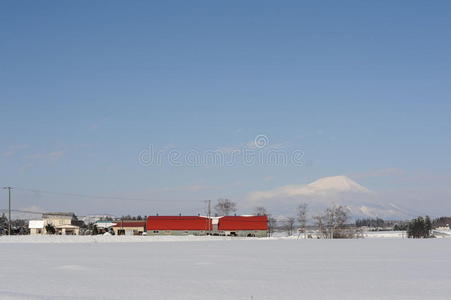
94	218
105	224
36	227
65	223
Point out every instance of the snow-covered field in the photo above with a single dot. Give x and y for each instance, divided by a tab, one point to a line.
385	234
223	268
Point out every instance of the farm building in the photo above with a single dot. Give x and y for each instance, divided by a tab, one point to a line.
36	227
104	224
129	227
195	225
244	225
178	225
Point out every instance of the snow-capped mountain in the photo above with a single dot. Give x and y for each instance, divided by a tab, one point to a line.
337	183
327	191
321	187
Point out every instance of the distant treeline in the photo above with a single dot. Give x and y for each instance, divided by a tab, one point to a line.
441	222
370	222
134	218
419	228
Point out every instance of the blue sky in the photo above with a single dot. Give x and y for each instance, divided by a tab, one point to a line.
360	87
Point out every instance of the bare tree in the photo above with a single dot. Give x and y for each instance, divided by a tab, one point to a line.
272	223
261	211
319	222
289	225
336	217
302	216
225	207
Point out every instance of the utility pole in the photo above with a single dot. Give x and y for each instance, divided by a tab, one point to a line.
209	216
9	208
209	208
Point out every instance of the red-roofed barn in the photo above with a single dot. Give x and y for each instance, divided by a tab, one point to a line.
244	225
196	225
178	225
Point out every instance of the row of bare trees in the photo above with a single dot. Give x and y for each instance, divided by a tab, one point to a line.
272	222
329	224
332	223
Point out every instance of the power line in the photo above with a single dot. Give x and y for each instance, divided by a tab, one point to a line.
96	196
24	211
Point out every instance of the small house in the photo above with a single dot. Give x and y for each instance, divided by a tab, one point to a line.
129	227
36	227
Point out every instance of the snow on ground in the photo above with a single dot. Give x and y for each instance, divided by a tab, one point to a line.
385	234
107	239
224	268
442	233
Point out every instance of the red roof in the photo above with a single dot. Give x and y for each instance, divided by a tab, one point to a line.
243	223
178	223
130	223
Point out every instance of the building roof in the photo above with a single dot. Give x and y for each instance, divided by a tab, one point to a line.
58	214
66	226
178	223
243	223
105	224
129	223
229	223
36	224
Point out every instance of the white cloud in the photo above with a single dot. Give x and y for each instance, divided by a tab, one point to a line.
54	155
268	178
12	150
387	172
